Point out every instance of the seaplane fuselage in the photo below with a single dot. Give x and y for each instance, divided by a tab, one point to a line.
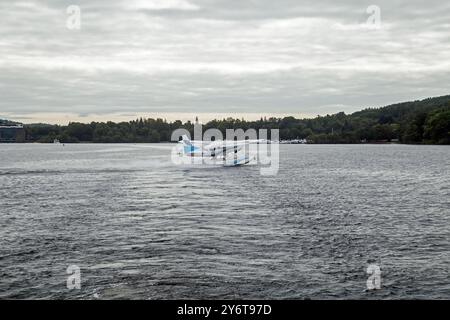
227	151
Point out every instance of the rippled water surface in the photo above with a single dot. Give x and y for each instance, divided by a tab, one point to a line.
140	227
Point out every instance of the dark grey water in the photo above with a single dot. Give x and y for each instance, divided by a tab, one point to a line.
141	228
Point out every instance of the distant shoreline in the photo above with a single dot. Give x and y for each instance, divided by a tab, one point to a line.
173	142
416	122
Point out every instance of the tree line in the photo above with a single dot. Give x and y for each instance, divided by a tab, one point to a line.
424	122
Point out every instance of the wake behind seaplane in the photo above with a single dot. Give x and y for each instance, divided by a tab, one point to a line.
228	153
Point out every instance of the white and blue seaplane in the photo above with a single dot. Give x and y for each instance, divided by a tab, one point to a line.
228	153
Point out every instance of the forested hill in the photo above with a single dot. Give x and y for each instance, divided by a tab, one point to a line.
4	122
426	121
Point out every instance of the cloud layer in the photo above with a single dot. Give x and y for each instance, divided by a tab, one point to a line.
231	57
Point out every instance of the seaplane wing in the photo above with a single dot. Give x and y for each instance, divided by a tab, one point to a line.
222	147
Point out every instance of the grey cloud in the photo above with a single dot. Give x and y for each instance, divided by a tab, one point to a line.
281	92
282	56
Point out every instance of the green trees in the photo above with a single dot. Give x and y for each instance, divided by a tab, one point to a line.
437	127
79	131
383	132
426	121
413	129
154	136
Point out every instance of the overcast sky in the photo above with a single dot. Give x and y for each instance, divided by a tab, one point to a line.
179	58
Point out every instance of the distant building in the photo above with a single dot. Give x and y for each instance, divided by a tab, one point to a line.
12	133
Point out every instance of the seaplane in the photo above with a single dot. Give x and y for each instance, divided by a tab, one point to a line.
228	153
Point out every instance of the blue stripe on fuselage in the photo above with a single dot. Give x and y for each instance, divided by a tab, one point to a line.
190	149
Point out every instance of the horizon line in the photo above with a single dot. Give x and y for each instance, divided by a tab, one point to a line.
64	118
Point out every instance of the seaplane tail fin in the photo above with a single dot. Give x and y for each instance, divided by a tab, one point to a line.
186	139
189	148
